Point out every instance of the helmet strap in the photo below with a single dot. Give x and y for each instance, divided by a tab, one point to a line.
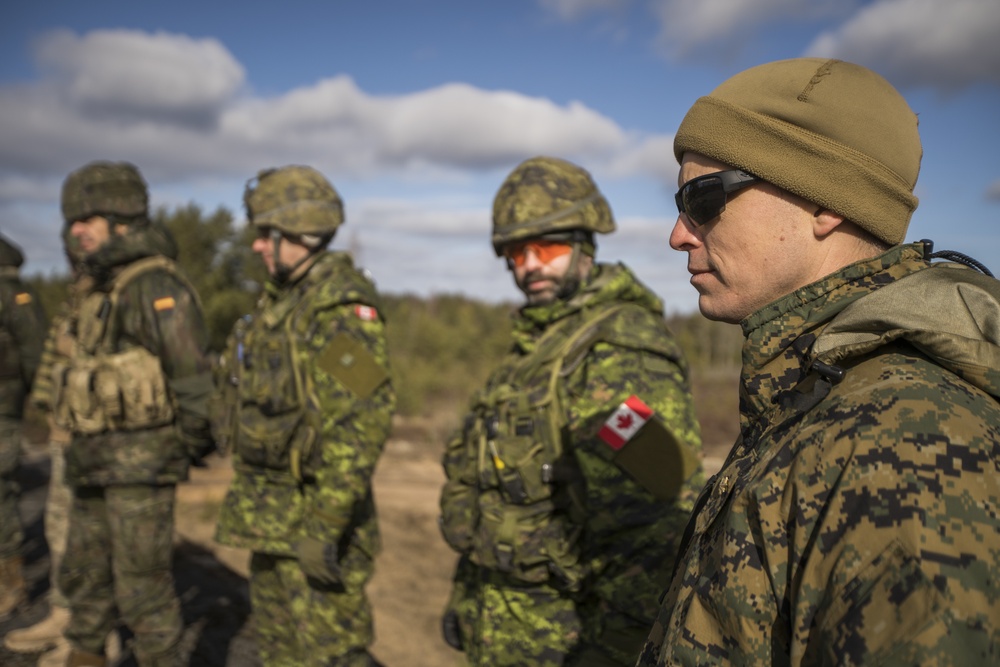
284	272
570	283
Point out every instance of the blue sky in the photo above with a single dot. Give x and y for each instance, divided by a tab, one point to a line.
416	111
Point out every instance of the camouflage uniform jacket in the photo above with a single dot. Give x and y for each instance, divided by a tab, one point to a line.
855	521
616	538
22	322
304	398
158	311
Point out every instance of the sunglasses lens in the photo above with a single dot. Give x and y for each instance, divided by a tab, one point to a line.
703	199
545	251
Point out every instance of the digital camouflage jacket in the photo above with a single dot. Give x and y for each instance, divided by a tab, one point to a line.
22	322
855	521
122	336
305	402
534	496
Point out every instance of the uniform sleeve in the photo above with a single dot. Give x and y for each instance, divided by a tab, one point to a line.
902	559
41	389
630	536
159	311
28	324
351	409
458	496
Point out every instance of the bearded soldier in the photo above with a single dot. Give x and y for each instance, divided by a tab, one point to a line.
574	473
304	399
22	322
132	390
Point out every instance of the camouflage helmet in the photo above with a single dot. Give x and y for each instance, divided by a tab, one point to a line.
10	254
295	200
105	189
546	195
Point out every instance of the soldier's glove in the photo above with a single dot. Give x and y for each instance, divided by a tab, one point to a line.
318	560
451	630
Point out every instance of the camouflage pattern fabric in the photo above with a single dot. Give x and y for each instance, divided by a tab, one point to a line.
855	521
303	396
21	322
118	561
119	550
21	318
297	623
159	312
59	497
11	532
621	536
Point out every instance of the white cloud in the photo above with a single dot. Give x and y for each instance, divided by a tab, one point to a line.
135	75
687	28
570	10
170	104
946	45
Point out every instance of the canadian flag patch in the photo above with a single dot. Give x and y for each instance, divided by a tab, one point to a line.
625	422
366	313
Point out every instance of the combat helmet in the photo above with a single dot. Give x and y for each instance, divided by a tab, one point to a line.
109	189
545	196
10	254
295	200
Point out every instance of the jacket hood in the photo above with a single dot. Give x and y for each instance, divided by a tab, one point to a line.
949	312
141	241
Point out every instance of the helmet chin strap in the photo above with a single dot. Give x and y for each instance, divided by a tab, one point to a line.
284	272
570	282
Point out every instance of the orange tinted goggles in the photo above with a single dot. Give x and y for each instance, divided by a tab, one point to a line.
544	251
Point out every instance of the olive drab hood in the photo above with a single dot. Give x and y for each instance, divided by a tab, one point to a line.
949	312
141	241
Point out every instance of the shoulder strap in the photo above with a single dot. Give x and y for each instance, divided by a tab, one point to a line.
133	271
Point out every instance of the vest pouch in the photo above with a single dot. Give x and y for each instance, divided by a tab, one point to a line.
133	390
86	415
529	543
271	411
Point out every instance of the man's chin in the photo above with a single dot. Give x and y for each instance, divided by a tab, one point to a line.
540	298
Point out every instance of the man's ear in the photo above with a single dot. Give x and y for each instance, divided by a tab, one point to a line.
825	221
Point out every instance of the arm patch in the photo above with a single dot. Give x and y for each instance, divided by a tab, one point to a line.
352	365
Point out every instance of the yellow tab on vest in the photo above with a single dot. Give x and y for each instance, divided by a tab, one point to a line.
166	303
22	299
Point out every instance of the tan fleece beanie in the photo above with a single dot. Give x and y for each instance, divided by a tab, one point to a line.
834	133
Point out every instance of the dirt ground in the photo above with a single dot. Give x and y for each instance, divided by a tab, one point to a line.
408	592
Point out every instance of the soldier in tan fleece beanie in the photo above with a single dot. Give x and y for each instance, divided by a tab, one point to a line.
824	137
854	521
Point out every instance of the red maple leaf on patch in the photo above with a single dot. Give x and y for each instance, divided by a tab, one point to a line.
625	422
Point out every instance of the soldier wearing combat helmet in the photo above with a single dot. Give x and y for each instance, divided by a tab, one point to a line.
574	473
129	384
304	400
21	318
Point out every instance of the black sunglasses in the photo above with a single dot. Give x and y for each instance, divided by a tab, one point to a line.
704	198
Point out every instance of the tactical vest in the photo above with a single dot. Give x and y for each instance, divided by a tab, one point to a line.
266	408
96	389
530	503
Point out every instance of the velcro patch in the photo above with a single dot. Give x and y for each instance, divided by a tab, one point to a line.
352	364
625	422
366	313
164	303
22	299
